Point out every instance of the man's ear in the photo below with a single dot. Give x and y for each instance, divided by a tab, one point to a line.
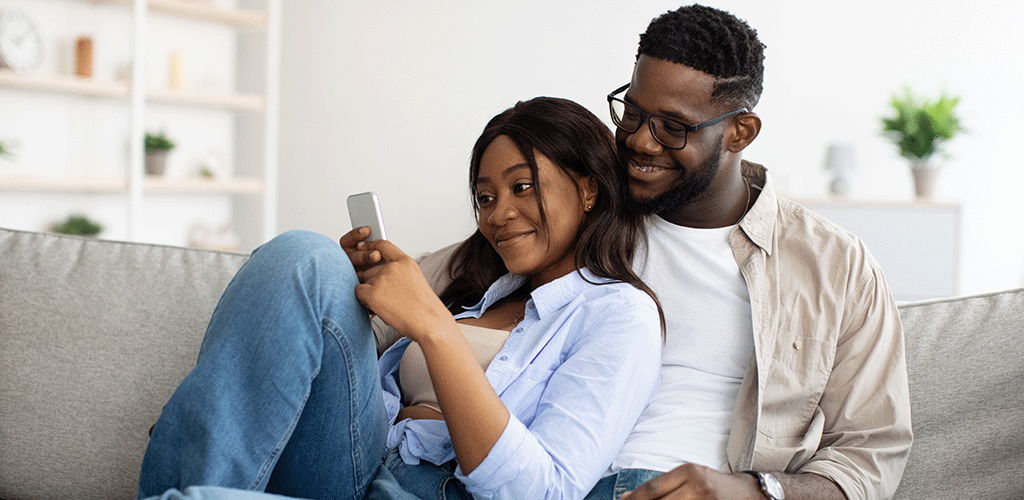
742	131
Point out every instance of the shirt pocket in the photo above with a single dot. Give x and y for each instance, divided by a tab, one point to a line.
799	371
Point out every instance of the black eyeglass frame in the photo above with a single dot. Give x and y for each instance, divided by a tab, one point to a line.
646	117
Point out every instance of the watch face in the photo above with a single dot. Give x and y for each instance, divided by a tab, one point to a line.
772	486
21	48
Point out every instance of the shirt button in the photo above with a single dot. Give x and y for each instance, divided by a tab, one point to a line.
447	445
530	305
504	358
799	344
519	330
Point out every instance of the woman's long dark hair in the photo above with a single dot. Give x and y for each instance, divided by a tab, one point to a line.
578	143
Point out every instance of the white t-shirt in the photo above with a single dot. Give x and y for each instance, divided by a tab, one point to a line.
709	343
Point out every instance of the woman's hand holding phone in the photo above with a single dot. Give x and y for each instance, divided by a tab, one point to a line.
361	257
396	291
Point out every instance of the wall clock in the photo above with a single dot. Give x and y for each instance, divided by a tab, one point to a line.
21	47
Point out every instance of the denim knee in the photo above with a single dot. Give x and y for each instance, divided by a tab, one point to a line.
307	250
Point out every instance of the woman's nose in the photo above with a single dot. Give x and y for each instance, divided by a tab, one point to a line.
504	211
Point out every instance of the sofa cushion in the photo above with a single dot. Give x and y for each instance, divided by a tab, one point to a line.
95	336
965	361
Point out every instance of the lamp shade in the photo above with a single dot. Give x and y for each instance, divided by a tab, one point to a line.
841	157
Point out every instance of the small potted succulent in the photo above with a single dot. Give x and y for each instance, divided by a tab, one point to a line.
77	224
157	147
920	129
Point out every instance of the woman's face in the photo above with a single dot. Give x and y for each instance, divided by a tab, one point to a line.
510	219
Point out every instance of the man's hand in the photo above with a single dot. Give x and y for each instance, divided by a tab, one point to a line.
696	482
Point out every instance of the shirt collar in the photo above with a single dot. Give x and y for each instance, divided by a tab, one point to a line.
547	298
759	223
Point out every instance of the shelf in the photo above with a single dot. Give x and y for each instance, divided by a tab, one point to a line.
85	87
198	186
155	185
865	203
203	12
246	38
33	184
63	84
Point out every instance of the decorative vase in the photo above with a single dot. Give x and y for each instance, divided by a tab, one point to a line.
924	178
156	160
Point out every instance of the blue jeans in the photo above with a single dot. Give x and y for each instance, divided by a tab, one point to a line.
285	396
612	487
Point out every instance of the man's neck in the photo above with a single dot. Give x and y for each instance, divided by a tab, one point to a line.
719	206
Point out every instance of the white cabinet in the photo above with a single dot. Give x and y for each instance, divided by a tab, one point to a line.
916	243
208	74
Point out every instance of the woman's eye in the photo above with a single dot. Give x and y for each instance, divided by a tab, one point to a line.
482	199
519	187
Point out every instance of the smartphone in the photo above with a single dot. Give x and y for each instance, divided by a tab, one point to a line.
364	210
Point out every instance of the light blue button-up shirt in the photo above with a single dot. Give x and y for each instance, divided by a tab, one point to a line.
575	375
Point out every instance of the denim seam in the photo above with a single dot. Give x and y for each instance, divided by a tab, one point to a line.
268	465
332	329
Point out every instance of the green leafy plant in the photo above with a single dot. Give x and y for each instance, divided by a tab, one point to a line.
158	142
78	225
921	127
6	149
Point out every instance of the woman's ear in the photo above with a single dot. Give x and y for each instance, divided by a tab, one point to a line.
588	192
742	131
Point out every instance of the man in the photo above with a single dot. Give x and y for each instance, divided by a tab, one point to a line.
783	372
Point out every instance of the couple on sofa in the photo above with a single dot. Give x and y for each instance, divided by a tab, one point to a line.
636	313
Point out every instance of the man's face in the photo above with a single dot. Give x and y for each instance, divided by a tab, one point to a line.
663	179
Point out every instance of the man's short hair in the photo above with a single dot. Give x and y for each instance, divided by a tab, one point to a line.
712	41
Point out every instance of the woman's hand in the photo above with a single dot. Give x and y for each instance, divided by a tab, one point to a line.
362	259
393	287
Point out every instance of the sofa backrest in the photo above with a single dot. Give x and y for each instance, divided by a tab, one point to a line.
94	337
965	360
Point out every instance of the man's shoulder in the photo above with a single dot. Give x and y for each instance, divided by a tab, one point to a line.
434	266
797	224
807	239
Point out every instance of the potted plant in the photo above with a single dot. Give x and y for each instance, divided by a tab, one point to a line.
157	147
77	225
920	130
6	149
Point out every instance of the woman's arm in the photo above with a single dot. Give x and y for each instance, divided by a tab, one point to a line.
399	294
567	427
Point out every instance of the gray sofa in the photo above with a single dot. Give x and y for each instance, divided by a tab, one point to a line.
95	335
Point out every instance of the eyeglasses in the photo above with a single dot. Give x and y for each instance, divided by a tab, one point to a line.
668	132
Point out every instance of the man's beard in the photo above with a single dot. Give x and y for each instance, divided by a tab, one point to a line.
683	192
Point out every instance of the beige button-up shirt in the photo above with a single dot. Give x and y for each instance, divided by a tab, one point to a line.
827	389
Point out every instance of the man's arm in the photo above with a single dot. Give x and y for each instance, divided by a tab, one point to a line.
699	482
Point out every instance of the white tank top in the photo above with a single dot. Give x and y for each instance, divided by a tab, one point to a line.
412	371
709	343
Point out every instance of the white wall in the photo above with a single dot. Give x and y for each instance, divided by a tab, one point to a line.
389	97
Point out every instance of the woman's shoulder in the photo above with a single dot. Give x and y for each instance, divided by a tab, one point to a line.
608	286
612	297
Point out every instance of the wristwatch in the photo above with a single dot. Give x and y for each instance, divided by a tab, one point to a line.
770	485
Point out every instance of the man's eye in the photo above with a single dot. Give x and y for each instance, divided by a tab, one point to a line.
672	128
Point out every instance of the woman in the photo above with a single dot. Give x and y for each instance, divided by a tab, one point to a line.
521	381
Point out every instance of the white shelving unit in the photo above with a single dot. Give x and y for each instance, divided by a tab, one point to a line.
916	243
243	192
